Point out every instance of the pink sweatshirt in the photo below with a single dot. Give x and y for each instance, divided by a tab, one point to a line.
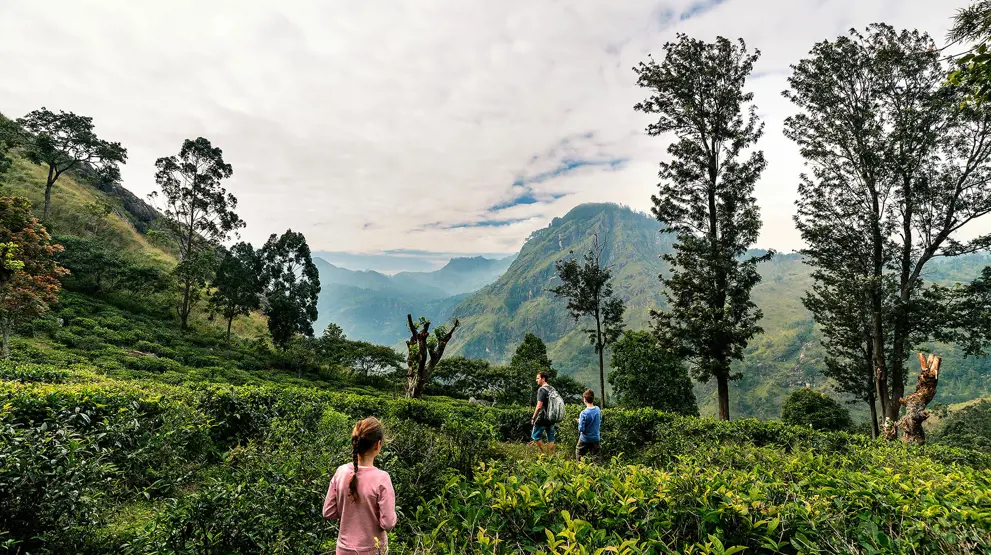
370	517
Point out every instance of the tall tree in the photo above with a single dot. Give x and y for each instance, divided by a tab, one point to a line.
424	351
199	212
29	275
643	375
292	287
66	141
588	288
706	198
898	169
239	284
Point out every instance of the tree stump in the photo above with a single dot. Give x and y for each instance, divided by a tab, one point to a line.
915	404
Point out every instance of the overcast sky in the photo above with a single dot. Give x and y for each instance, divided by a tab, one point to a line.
381	127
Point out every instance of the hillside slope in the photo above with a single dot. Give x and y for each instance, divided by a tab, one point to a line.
83	210
785	357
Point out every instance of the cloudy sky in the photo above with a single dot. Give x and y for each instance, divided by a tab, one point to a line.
408	129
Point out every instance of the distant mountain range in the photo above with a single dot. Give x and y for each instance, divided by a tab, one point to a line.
372	306
512	299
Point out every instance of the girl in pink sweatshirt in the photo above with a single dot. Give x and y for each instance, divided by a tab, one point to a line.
361	496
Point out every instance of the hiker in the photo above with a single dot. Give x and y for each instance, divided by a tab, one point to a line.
588	429
361	496
549	411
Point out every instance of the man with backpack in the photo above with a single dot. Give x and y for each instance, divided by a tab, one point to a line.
549	411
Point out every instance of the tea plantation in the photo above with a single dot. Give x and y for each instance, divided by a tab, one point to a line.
95	464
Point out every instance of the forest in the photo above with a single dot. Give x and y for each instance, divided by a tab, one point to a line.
163	389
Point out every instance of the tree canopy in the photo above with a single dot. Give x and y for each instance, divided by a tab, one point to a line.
29	275
239	284
705	197
199	213
588	288
897	172
292	287
65	141
644	375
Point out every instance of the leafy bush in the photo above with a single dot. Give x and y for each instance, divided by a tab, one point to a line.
809	408
644	375
755	498
967	428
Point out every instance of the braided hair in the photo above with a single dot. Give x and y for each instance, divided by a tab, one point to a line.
365	435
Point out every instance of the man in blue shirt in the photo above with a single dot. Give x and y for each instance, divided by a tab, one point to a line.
588	429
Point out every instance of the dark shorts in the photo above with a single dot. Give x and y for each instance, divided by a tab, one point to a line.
541	429
590	450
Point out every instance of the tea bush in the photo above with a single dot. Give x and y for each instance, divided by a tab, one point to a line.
879	501
90	464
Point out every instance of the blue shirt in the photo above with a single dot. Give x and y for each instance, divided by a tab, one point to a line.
588	425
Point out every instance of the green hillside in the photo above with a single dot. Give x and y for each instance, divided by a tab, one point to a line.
785	357
83	210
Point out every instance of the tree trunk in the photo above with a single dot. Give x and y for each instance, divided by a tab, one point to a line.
49	184
915	404
229	322
6	341
184	309
602	377
875	431
722	383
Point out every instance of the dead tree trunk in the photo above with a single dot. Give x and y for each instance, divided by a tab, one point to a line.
915	404
421	357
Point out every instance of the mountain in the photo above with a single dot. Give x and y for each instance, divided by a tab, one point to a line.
372	306
785	357
460	275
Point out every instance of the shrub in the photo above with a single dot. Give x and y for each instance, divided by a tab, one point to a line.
809	408
967	428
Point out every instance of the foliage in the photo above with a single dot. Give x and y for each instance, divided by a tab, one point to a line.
8	139
292	286
29	275
97	269
706	199
589	291
895	177
64	142
973	70
199	212
967	428
239	284
846	504
811	408
644	375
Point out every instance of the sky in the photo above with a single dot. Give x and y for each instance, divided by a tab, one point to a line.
397	134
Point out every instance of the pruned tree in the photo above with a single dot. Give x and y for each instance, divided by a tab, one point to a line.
424	351
66	141
915	403
29	275
588	288
199	212
292	287
706	199
239	284
897	171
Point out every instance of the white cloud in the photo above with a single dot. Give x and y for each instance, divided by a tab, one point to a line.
372	126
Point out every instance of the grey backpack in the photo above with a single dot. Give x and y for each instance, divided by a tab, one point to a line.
554	411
